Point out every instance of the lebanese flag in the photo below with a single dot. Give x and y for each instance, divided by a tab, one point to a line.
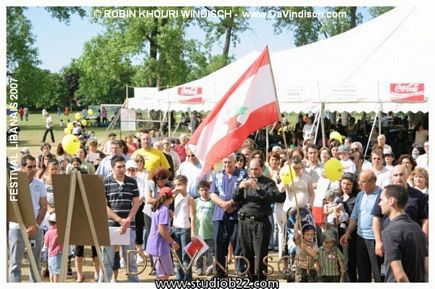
250	104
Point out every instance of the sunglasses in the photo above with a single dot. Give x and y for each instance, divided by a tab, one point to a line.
190	156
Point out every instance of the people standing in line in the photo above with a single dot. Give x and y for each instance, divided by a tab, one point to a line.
160	242
183	226
51	241
38	194
204	226
255	196
348	192
361	220
225	221
122	197
405	244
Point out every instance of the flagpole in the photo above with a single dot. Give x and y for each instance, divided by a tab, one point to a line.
285	142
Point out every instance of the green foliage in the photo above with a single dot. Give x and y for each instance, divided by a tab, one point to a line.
20	40
378	11
63	14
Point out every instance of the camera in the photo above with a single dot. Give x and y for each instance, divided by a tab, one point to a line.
241	215
32	243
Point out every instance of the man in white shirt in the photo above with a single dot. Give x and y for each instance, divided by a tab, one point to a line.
192	168
38	194
383	175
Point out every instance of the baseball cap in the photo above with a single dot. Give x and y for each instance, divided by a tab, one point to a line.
166	191
307	227
388	152
52	217
343	149
130	164
328	235
329	193
25	150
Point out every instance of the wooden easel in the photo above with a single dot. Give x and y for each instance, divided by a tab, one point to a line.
76	177
20	221
30	255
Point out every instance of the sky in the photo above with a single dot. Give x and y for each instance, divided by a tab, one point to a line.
59	43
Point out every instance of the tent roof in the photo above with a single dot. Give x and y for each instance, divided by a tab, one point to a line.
348	72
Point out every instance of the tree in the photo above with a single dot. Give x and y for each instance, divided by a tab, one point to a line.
230	25
310	29
20	40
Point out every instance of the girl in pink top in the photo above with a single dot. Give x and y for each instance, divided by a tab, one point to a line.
51	241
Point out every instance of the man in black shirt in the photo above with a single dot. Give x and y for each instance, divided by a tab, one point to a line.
405	244
255	196
122	196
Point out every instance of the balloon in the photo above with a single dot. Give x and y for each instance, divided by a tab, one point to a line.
70	125
333	170
336	135
70	144
90	111
67	130
287	175
78	116
84	122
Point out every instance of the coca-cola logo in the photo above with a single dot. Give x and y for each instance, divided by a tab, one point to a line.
189	90
407	87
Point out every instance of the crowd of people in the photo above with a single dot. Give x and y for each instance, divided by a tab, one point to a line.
374	224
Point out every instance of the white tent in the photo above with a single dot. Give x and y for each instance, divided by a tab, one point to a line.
355	71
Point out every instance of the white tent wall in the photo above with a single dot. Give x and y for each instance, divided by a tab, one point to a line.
348	72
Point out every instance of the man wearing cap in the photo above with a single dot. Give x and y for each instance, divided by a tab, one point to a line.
122	197
389	159
406	252
154	158
361	220
348	164
192	169
255	197
38	195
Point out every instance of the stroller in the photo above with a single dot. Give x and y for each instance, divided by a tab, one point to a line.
306	218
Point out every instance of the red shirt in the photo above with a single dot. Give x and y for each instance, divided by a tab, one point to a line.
179	149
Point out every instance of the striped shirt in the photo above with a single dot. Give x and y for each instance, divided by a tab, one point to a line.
328	260
120	197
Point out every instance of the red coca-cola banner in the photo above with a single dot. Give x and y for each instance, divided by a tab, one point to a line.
190	95
407	92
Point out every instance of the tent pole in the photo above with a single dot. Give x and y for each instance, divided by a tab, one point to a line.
317	122
371	132
322	120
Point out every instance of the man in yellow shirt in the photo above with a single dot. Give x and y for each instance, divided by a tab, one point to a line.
154	158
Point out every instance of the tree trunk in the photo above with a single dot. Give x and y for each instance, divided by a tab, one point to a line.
227	41
352	17
154	48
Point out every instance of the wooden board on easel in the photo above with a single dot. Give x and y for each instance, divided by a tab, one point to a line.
24	202
80	228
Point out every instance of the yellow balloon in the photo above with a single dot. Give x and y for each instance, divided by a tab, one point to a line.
336	135
70	144
287	175
70	125
90	111
78	116
67	130
333	169
84	122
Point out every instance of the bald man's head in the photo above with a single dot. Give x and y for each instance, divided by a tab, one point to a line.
399	176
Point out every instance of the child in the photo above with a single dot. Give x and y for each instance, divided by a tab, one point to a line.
160	240
306	253
54	249
204	226
183	230
334	211
331	259
344	156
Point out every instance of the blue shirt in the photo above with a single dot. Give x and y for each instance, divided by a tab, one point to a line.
362	213
224	186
